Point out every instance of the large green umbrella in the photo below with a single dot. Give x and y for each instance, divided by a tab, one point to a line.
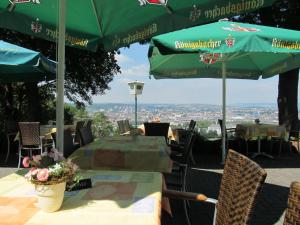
116	23
19	64
113	23
225	49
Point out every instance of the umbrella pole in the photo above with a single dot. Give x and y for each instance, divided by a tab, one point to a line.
224	112
60	77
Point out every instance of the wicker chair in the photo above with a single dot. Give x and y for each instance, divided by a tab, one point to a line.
29	138
157	129
292	215
69	146
79	125
86	136
241	182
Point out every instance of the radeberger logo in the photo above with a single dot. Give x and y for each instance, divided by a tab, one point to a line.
36	27
24	1
153	2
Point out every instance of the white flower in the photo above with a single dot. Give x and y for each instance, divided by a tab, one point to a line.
55	168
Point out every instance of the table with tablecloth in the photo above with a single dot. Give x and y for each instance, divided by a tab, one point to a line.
139	153
116	197
249	131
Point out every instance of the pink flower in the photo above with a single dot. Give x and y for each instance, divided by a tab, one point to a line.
26	161
37	158
43	175
33	171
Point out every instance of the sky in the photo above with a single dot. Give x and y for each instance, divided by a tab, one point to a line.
135	66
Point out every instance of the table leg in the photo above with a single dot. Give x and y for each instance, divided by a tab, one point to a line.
258	153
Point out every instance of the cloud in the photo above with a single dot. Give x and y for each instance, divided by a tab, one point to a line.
136	70
121	58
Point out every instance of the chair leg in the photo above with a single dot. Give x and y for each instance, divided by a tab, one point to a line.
8	148
20	156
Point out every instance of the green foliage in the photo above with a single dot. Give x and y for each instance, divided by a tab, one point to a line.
87	74
208	133
101	126
204	123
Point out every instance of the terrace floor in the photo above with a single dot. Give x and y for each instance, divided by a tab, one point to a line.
205	178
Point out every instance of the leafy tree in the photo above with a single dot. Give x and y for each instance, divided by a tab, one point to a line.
101	126
87	74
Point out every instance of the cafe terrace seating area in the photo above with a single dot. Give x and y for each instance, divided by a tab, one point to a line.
157	174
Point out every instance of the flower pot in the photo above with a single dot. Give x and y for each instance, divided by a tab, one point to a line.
50	197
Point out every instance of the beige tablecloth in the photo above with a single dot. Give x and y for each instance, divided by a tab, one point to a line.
116	198
251	131
138	153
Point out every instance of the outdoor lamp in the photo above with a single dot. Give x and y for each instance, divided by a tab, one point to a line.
136	88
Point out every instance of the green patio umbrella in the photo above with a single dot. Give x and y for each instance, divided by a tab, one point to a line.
224	50
112	23
116	23
19	64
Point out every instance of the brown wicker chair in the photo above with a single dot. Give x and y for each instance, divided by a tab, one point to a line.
29	138
79	125
292	215
86	136
241	182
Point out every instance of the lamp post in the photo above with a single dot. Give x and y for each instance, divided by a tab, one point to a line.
136	88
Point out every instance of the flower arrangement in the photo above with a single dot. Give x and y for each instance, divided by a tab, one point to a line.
51	168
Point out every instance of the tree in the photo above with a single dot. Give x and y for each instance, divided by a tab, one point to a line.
87	74
101	125
285	14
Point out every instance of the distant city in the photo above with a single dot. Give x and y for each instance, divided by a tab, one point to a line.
180	114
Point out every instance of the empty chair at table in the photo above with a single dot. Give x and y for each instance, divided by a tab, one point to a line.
231	137
240	185
124	127
157	129
29	138
69	146
86	136
79	125
11	130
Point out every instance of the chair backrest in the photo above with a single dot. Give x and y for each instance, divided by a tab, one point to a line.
79	125
29	133
157	129
292	214
121	126
241	182
11	127
221	126
86	136
188	146
88	124
69	147
192	125
126	125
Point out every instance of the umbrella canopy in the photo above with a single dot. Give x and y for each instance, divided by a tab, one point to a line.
224	49
250	51
19	64
116	23
112	23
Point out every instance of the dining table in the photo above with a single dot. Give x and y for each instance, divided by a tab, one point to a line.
116	197
250	131
134	153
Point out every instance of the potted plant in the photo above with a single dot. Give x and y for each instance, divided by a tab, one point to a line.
50	173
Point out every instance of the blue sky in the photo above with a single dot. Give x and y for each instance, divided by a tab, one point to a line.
134	66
